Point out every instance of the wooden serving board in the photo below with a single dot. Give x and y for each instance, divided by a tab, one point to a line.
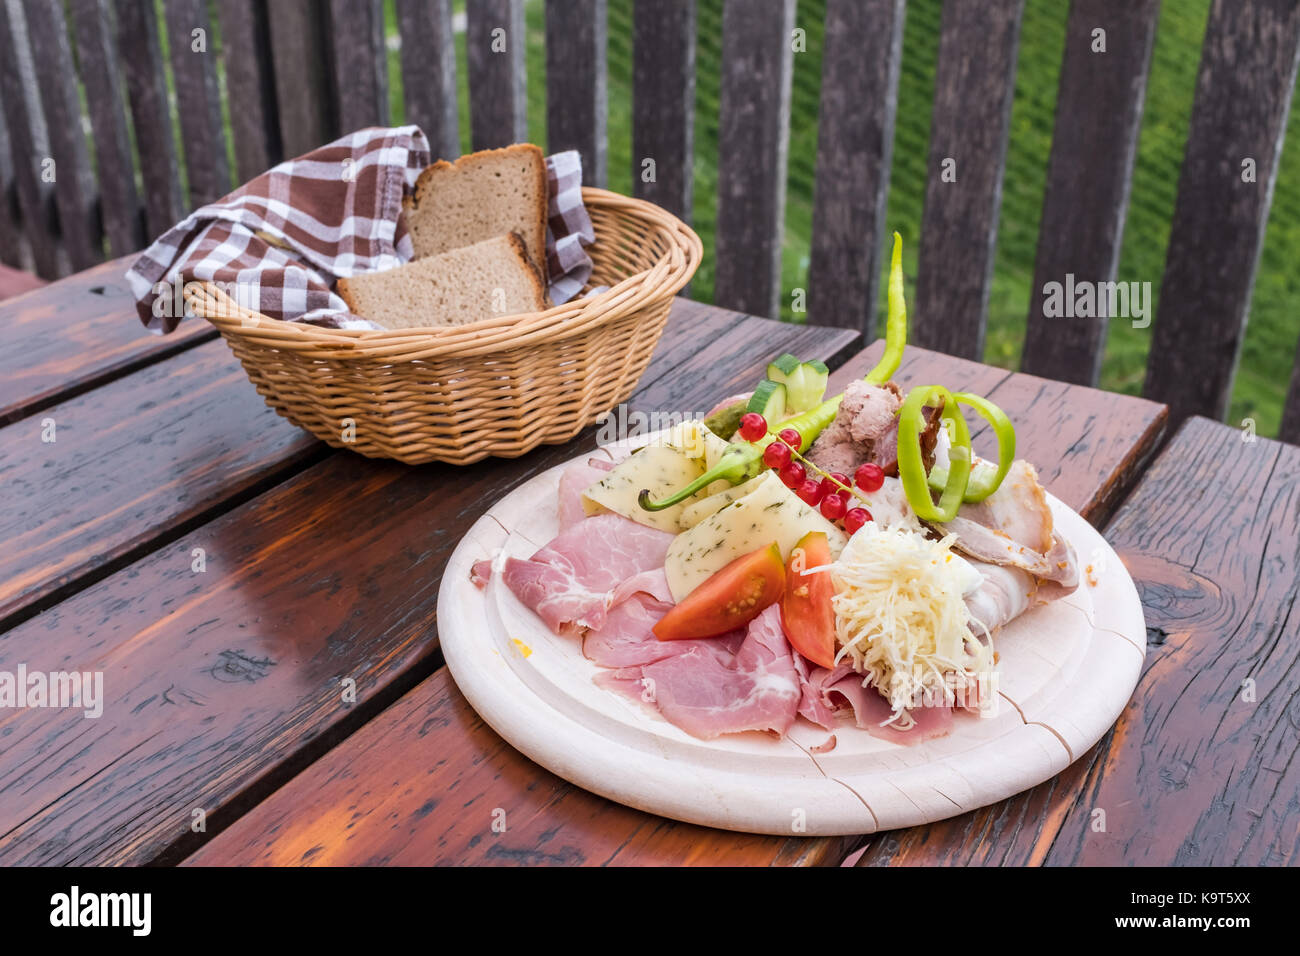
1066	671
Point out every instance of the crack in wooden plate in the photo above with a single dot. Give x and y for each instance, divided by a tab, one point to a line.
1066	671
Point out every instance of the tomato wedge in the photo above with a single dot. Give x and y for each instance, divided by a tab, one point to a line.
730	599
806	613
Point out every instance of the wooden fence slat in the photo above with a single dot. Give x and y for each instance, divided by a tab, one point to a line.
753	142
494	46
861	57
360	64
429	73
1290	430
973	88
140	52
27	141
56	80
198	100
12	248
577	102
302	86
663	103
1243	96
119	199
250	86
1098	112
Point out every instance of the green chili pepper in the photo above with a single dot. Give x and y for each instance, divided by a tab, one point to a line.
982	484
895	321
911	469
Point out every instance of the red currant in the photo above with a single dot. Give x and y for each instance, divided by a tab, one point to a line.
833	507
753	426
791	437
869	477
834	484
810	491
855	519
792	474
776	455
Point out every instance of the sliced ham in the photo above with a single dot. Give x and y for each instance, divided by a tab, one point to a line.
625	638
827	695
574	480
480	573
707	696
569	582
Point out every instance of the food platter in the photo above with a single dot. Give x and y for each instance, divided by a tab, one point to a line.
1065	672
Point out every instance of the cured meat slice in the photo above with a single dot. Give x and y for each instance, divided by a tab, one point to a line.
706	696
574	480
569	582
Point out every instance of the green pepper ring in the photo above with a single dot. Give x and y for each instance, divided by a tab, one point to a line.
911	469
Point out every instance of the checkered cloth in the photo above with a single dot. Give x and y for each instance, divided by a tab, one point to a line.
278	243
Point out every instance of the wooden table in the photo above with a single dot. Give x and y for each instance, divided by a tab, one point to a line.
232	578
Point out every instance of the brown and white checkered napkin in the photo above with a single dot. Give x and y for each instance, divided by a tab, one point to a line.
278	243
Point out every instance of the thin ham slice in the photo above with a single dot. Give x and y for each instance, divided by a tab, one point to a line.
706	695
828	695
574	480
569	583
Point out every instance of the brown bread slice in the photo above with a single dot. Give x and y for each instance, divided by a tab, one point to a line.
487	280
481	195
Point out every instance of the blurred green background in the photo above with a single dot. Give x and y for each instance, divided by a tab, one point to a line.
1274	323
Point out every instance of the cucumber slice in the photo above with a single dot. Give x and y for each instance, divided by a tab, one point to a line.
781	369
769	401
806	386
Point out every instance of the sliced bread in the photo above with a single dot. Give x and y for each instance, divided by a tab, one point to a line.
479	196
489	279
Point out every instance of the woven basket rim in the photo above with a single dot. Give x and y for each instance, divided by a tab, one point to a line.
668	275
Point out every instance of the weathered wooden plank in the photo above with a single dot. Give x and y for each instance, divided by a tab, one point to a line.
753	142
1212	536
56	79
28	144
663	104
1243	96
472	763
140	53
973	88
106	475
306	112
577	101
494	49
1098	112
250	86
429	73
360	64
222	687
77	334
1291	412
198	100
119	200
861	58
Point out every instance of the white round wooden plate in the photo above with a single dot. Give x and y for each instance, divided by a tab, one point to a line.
1066	671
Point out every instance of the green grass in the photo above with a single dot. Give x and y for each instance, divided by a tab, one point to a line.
1274	325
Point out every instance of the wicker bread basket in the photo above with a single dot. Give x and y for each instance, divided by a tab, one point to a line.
495	387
